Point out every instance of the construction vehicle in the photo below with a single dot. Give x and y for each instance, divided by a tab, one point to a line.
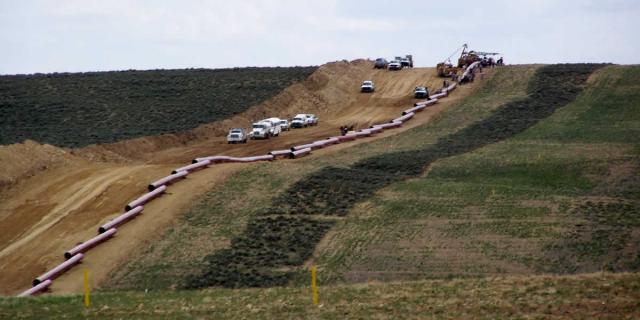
446	68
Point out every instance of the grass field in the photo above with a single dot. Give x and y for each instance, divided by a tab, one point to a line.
594	296
77	109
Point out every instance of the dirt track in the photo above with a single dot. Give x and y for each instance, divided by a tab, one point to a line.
58	207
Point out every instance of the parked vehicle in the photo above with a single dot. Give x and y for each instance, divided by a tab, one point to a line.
395	65
380	63
284	125
275	126
299	121
407	61
367	86
312	120
261	130
237	135
421	93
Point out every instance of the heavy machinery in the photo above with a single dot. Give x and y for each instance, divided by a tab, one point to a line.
446	68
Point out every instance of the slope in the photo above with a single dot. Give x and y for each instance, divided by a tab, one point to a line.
64	204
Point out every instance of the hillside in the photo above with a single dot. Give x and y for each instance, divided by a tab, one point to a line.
78	109
502	195
64	203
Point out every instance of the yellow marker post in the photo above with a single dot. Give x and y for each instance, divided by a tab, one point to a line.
87	297
314	285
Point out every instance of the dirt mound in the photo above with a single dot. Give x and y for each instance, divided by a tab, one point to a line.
23	160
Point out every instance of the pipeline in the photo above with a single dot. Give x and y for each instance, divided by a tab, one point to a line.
414	109
426	102
404	117
389	125
375	129
193	166
362	133
40	287
167	180
346	137
277	153
299	153
85	246
60	269
266	157
302	146
121	219
145	198
439	95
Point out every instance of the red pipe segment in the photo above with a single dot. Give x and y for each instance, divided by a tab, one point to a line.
426	102
302	146
40	287
404	117
299	153
121	219
85	246
266	157
277	153
375	129
332	140
439	95
362	133
167	180
346	137
193	166
213	159
414	109
389	125
145	198
60	269
319	144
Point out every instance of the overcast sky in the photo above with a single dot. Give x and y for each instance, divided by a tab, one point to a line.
87	35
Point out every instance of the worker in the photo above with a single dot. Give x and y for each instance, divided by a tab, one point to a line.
343	130
500	62
426	90
445	83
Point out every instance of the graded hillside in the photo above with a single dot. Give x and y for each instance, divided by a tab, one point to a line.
65	202
78	109
533	174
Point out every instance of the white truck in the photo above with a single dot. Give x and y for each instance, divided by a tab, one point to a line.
261	130
275	126
236	135
367	86
299	121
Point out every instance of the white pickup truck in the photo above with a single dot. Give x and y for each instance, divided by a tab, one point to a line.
237	135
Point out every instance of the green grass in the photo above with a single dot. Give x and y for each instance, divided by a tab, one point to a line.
598	296
77	109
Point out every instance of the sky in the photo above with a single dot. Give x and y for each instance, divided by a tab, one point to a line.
38	36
